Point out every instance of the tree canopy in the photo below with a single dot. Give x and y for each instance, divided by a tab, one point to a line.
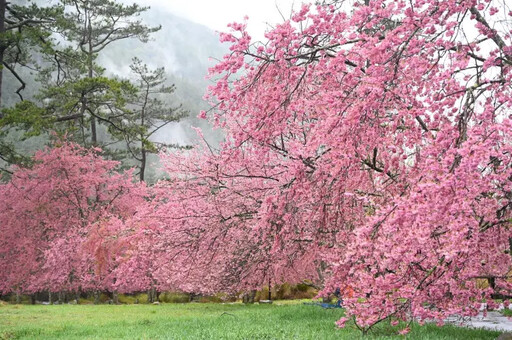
381	132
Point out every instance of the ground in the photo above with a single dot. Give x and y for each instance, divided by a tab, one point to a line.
198	321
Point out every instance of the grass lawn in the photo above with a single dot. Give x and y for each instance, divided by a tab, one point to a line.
198	321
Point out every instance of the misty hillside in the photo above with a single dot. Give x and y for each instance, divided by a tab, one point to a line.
186	50
182	46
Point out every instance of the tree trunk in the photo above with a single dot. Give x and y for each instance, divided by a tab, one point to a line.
96	297
90	73
142	163
50	297
151	295
3	45
248	297
269	289
142	123
94	136
510	246
18	298
115	297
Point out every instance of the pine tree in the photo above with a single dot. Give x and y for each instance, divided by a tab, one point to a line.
89	96
25	33
150	112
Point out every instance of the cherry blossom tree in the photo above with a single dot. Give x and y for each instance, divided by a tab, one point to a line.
226	223
61	221
203	230
376	136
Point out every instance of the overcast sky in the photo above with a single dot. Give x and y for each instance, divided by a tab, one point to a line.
216	14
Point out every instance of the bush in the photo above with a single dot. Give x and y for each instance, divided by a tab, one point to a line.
174	297
287	291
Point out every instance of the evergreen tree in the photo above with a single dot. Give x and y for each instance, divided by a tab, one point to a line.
87	94
25	33
150	112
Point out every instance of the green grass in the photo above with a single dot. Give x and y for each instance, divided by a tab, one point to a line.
198	321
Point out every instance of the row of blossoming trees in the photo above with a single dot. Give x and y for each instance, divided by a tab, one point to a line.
368	149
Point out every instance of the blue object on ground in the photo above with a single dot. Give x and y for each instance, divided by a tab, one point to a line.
324	305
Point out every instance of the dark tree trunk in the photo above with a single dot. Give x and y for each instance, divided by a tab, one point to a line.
94	136
96	297
142	163
248	297
151	297
269	289
3	44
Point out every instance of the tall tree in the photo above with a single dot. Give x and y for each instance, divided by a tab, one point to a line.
25	35
151	113
92	26
391	122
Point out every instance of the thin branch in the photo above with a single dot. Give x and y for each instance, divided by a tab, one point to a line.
17	76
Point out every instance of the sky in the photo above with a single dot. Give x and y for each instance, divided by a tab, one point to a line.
216	14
